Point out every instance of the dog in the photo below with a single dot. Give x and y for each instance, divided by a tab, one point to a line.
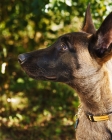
81	60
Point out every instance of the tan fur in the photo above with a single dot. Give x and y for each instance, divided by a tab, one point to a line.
95	92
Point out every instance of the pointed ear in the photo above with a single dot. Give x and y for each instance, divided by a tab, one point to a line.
88	25
102	40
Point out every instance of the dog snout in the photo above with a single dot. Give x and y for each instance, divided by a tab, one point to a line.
22	58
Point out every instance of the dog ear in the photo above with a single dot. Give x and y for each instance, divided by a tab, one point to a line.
88	25
102	40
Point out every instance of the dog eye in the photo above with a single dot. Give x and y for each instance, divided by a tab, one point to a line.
64	47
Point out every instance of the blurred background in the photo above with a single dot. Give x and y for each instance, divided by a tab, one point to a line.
30	109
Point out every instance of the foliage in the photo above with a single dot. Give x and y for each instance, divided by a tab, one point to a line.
30	109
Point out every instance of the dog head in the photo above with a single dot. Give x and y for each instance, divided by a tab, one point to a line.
73	55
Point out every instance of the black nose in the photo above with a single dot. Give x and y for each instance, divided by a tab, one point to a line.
22	58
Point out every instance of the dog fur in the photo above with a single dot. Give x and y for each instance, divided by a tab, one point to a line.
83	61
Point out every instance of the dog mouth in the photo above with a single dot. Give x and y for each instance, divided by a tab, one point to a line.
42	77
50	77
39	74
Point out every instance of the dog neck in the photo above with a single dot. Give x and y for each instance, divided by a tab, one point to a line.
95	92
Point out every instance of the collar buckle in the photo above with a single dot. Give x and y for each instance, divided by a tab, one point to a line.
90	117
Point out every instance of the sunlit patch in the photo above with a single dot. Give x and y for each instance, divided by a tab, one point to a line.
47	114
17	101
67	122
14	120
11	100
3	68
5	52
20	80
69	2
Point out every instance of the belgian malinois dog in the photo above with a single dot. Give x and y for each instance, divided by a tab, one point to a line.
83	61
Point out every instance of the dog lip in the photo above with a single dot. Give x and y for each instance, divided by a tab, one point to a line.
51	77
